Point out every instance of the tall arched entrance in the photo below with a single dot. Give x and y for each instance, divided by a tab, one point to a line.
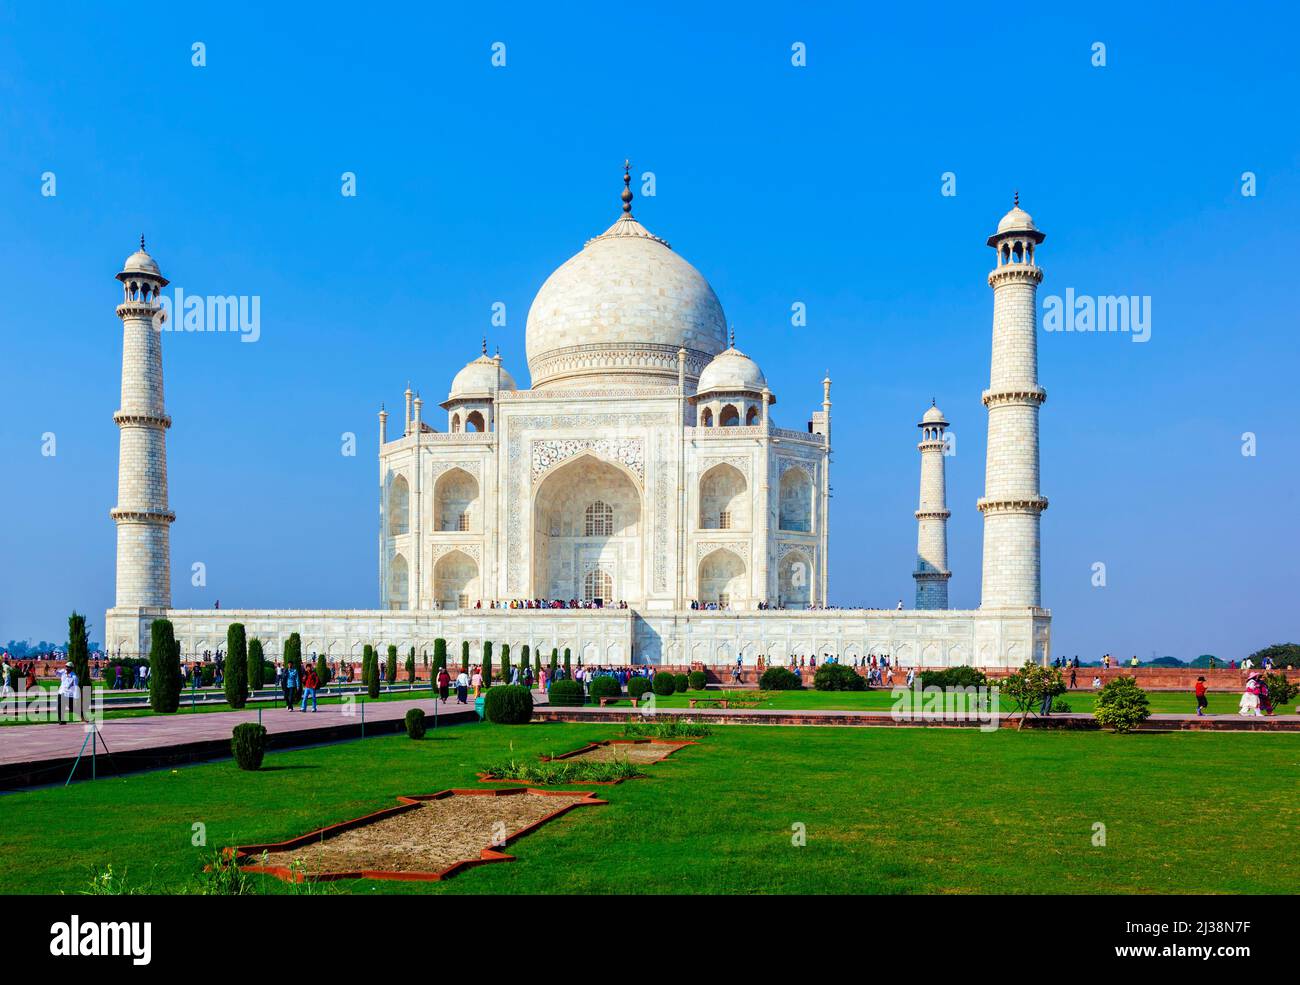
587	533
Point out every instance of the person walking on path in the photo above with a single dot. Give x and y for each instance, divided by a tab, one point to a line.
462	688
309	684
1202	704
1073	678
444	682
290	685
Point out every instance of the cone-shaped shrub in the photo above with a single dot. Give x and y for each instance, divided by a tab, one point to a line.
322	669
390	666
164	668
464	656
505	662
256	660
236	666
439	655
555	662
568	667
487	664
293	653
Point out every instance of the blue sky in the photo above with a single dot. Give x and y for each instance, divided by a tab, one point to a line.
819	184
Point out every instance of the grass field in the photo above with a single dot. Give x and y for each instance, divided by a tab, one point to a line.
1171	702
885	810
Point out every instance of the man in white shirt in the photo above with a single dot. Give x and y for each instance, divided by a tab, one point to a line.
462	688
69	688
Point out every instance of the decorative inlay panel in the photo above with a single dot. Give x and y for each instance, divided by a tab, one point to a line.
625	451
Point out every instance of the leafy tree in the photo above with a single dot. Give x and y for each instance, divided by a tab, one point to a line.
1283	654
256	661
487	663
236	666
1204	660
1121	705
164	668
79	649
1028	686
1280	690
1166	662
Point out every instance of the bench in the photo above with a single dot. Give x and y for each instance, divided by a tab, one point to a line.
607	698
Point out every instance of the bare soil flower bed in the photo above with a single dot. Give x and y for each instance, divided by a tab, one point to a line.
429	837
638	751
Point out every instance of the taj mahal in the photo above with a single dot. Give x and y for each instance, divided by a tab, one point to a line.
637	502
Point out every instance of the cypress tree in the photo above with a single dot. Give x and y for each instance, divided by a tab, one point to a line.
164	668
79	650
410	666
555	662
370	671
256	661
322	669
439	655
525	659
464	656
390	666
537	666
236	666
487	664
505	662
568	669
293	653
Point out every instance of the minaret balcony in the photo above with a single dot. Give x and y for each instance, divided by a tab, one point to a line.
1015	395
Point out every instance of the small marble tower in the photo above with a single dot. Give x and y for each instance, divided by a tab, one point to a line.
142	515
932	514
1011	503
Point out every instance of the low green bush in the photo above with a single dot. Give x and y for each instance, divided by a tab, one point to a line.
780	679
664	684
508	704
680	683
567	694
954	677
698	680
1121	705
604	686
248	745
838	677
665	728
637	686
564	771
1059	704
415	727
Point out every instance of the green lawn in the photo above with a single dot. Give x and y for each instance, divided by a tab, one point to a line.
886	810
1172	702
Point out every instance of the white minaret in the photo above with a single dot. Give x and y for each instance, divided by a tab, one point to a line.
1011	503
932	514
142	515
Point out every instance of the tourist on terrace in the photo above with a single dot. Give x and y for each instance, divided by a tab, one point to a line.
462	687
1202	703
309	684
444	683
290	686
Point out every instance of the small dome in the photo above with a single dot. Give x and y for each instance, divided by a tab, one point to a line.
933	416
731	370
1017	221
479	377
141	262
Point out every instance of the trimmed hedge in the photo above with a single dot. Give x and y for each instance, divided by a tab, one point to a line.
248	745
780	679
954	677
680	683
565	693
510	704
604	686
698	680
838	677
637	686
415	727
664	684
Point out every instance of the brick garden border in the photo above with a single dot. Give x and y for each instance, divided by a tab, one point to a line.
240	853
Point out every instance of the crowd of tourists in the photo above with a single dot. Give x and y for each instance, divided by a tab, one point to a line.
549	604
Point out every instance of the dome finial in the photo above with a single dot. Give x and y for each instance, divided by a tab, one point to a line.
733	336
1015	201
627	187
485	345
142	249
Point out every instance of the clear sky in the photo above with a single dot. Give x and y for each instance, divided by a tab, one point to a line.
821	183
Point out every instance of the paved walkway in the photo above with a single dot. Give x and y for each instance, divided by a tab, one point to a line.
135	738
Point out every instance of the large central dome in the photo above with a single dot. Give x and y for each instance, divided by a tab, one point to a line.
619	311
